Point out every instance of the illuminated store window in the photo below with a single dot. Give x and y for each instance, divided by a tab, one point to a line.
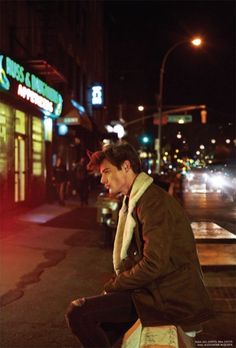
20	156
48	126
19	169
5	122
37	146
20	122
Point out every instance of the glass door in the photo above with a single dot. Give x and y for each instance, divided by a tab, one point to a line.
19	169
20	156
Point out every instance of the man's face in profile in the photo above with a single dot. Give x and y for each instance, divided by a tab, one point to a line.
114	179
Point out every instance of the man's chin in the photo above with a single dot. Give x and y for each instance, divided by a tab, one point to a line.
112	192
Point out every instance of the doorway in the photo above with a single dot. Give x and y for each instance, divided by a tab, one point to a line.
20	174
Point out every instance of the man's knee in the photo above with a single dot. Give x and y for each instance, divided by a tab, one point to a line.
74	314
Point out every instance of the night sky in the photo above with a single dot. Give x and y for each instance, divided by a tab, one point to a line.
141	32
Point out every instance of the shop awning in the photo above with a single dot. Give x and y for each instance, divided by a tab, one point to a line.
74	118
46	70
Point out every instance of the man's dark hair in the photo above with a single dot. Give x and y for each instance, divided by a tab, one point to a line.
116	154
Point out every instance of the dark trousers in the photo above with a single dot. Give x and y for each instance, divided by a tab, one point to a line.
100	321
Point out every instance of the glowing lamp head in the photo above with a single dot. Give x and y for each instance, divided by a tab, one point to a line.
140	108
197	41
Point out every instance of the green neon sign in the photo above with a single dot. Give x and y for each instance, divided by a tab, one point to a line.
30	86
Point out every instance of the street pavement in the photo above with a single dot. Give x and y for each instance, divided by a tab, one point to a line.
51	255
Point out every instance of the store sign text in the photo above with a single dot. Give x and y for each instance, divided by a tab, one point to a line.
30	87
35	98
97	95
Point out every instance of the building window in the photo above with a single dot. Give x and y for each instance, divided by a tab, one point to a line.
5	120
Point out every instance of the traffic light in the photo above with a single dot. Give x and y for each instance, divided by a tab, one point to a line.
203	116
145	139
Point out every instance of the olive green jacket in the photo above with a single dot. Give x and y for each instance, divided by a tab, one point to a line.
162	269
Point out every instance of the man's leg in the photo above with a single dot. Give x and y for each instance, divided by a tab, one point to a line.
89	317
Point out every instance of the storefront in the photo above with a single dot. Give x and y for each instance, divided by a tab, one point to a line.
28	107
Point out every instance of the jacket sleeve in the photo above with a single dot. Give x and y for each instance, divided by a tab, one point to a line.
157	232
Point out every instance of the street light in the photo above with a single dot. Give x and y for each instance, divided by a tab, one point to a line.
140	108
196	42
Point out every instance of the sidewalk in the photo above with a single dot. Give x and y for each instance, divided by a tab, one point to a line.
21	230
42	269
40	259
19	218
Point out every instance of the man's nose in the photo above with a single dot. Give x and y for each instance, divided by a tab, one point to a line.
102	181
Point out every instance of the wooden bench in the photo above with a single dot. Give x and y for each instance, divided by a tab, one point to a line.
206	231
215	245
166	336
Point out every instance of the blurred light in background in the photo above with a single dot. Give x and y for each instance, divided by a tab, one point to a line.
197	41
47	128
119	130
179	136
145	139
116	128
140	108
62	129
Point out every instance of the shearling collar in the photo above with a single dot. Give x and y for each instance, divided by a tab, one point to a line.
126	223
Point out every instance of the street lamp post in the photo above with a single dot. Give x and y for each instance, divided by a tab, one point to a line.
195	42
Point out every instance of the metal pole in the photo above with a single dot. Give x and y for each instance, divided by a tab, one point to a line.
160	119
160	106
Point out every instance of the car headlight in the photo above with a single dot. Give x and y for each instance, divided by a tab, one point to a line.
218	181
205	177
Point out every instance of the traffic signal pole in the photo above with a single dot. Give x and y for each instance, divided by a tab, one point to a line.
162	114
167	112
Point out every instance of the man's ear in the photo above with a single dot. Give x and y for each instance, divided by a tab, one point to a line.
126	165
